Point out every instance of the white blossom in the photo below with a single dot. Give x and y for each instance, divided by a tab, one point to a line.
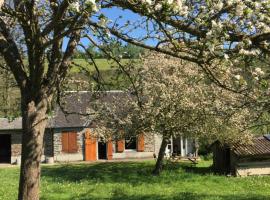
237	77
226	56
219	5
75	6
158	7
170	2
259	71
149	2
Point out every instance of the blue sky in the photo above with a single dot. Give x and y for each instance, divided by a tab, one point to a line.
113	14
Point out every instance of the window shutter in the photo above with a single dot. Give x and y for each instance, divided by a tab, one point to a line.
140	143
72	142
65	142
120	146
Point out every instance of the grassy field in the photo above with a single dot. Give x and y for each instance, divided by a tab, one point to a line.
131	181
110	78
102	64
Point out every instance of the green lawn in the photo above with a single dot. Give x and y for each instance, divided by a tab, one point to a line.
132	181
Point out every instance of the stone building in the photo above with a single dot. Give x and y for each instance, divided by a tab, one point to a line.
68	136
11	137
65	140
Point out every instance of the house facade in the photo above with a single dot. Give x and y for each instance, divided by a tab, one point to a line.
68	144
70	136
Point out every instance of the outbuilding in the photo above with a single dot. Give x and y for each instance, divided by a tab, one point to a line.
241	159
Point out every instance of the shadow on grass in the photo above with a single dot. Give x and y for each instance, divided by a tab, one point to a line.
188	167
134	173
137	173
176	196
198	170
101	172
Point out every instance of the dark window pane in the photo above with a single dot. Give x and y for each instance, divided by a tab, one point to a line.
131	143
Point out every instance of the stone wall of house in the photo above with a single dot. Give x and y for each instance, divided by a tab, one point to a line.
16	143
157	143
48	143
59	155
149	143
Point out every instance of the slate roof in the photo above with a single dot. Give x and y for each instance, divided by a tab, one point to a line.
74	111
260	146
77	107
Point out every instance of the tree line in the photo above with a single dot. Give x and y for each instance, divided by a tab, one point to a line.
125	51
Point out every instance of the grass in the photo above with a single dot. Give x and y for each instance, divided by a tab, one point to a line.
133	180
103	64
111	79
110	75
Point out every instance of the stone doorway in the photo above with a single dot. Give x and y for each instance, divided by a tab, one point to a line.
102	150
5	148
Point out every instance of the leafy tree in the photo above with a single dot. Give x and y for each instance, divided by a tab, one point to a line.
131	51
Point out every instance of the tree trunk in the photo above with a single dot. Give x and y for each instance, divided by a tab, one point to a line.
159	163
34	119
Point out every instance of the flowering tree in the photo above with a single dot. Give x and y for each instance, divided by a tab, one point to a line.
197	31
173	98
205	29
35	32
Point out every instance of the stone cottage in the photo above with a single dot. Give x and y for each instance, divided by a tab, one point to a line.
68	136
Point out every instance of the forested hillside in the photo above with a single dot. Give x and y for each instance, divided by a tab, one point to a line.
83	76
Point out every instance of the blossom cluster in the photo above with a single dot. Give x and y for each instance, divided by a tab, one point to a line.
176	98
89	5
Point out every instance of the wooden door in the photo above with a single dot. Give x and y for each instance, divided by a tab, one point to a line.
140	143
90	147
109	150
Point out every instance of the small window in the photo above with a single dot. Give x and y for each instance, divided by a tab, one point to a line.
131	143
69	142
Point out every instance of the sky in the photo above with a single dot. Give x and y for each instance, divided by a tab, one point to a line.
113	14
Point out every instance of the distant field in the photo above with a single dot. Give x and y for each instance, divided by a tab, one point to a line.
133	181
110	76
103	64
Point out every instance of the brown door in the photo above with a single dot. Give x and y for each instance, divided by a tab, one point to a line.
109	150
140	143
90	147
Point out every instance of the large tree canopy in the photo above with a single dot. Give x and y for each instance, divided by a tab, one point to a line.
172	97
